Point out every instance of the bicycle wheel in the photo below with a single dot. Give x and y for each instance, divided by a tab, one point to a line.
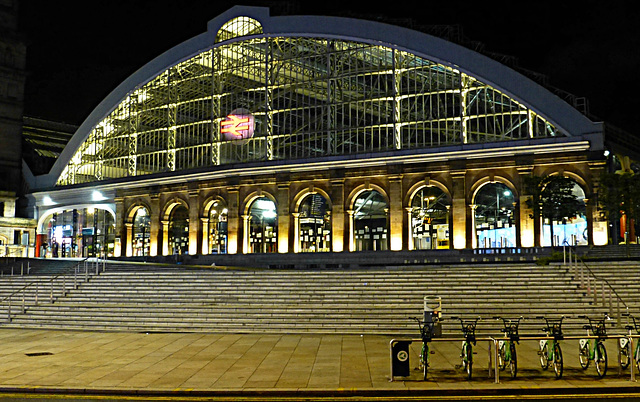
557	360
544	356
425	360
584	356
469	359
513	362
623	357
601	359
501	357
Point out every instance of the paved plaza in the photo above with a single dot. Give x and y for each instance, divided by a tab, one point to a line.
187	364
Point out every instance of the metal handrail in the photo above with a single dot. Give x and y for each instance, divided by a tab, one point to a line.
596	278
64	274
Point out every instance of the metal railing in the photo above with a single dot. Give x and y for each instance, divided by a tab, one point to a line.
597	287
82	272
493	360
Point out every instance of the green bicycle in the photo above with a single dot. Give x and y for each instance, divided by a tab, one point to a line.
597	353
624	357
466	351
552	353
507	348
426	333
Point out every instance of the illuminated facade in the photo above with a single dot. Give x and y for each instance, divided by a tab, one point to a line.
315	134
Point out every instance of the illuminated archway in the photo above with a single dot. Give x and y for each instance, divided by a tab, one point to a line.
314	224
218	229
371	221
570	230
263	226
430	219
179	230
83	231
141	232
494	217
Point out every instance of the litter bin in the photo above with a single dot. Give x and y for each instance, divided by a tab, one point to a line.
400	359
432	314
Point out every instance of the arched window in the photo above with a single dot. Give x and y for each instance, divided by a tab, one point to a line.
263	221
314	224
494	216
430	219
568	230
141	232
371	224
179	230
237	27
218	228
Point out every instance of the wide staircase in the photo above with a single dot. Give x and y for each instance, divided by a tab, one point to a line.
118	296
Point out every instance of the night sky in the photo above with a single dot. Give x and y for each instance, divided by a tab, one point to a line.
78	51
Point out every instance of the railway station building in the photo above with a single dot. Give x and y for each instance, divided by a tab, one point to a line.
307	134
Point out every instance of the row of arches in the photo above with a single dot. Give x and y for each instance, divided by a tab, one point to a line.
428	223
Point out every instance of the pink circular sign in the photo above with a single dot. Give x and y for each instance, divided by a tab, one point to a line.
237	125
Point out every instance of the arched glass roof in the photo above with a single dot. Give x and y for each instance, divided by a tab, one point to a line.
255	96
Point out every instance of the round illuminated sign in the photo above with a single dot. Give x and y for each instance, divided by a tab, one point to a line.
237	125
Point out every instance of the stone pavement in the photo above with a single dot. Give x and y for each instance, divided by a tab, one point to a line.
189	364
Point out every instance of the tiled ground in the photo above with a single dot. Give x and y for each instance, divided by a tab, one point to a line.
74	361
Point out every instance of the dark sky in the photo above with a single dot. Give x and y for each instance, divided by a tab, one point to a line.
78	51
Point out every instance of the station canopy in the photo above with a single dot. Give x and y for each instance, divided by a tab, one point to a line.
254	96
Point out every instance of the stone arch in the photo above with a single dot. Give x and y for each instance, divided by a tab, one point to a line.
411	192
300	196
172	244
478	184
170	205
426	227
494	225
138	236
312	223
214	217
260	232
133	209
353	195
367	231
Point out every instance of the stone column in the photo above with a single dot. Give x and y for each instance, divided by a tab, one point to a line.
119	232
395	214
195	233
460	237
282	200
296	232
205	235
129	239
233	221
165	237
410	244
154	225
474	235
351	234
338	241
245	233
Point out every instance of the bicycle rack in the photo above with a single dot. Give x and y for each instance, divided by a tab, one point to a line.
493	353
411	340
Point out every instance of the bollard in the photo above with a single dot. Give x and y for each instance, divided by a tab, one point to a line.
24	309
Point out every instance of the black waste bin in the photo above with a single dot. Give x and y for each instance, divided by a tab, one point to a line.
400	359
